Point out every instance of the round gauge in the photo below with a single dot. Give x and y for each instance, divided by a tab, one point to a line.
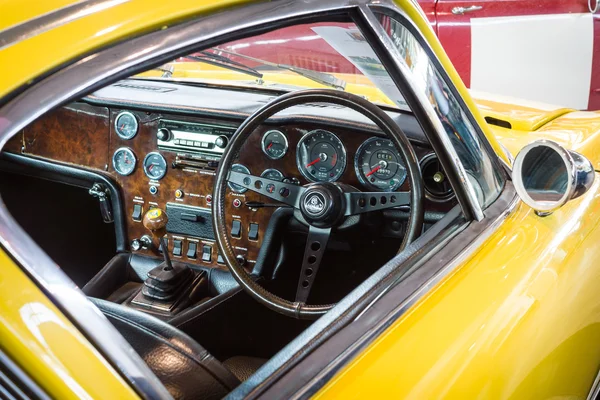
238	168
321	156
274	144
124	161
272	173
378	165
126	125
155	165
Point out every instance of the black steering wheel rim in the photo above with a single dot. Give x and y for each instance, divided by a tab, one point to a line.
366	108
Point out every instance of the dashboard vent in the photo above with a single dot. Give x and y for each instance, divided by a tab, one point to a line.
435	180
148	88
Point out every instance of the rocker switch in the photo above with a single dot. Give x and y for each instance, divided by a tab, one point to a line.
137	212
206	253
236	229
177	247
253	232
192	248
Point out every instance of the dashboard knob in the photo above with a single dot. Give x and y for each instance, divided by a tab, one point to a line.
163	134
241	259
136	245
221	142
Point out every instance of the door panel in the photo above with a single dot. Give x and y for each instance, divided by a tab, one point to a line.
536	50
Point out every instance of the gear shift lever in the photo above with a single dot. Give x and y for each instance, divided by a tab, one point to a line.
155	220
169	279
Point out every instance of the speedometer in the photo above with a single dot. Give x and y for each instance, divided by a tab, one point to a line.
321	156
378	165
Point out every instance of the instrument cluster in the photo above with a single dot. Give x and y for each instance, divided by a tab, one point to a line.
322	157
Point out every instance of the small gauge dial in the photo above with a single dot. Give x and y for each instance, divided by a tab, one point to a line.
379	166
126	125
155	166
124	161
321	156
272	173
238	168
274	144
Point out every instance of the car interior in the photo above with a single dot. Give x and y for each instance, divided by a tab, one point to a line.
197	224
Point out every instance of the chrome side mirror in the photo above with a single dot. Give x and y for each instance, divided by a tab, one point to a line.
546	175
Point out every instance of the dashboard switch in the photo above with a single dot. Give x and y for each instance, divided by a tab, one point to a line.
220	259
192	248
253	232
177	248
206	253
137	212
236	228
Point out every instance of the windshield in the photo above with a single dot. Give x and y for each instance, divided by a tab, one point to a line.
317	55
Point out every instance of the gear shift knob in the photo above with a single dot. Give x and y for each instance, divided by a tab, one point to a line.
155	220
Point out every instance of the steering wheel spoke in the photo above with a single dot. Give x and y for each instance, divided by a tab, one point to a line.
362	202
286	193
316	242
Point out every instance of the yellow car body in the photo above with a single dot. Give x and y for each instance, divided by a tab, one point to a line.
483	331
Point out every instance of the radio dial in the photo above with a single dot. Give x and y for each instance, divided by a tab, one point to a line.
221	142
163	134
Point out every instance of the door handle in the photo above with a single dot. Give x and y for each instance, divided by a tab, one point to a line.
464	10
596	6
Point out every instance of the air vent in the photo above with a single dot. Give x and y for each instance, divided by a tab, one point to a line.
498	122
147	88
436	183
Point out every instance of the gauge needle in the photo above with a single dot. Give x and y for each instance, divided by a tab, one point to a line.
377	168
270	145
316	160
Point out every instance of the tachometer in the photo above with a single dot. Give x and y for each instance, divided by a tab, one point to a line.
155	165
126	125
379	166
124	161
321	156
274	144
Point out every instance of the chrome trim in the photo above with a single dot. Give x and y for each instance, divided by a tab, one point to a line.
137	125
377	329
301	167
154	153
464	10
431	196
245	170
473	204
270	170
580	171
43	23
595	389
262	143
131	153
83	77
359	173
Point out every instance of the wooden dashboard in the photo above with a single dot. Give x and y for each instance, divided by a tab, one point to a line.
84	136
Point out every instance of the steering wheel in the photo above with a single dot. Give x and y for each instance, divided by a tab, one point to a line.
321	206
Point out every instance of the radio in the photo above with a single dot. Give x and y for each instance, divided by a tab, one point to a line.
209	141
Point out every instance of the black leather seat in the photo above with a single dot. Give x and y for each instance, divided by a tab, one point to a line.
186	369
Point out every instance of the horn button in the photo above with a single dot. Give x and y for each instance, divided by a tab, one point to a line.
323	205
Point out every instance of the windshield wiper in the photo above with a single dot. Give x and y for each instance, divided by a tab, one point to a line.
320	77
224	62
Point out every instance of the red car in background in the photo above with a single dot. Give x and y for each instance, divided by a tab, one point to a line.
539	50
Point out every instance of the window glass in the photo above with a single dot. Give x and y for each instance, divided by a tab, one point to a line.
477	164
